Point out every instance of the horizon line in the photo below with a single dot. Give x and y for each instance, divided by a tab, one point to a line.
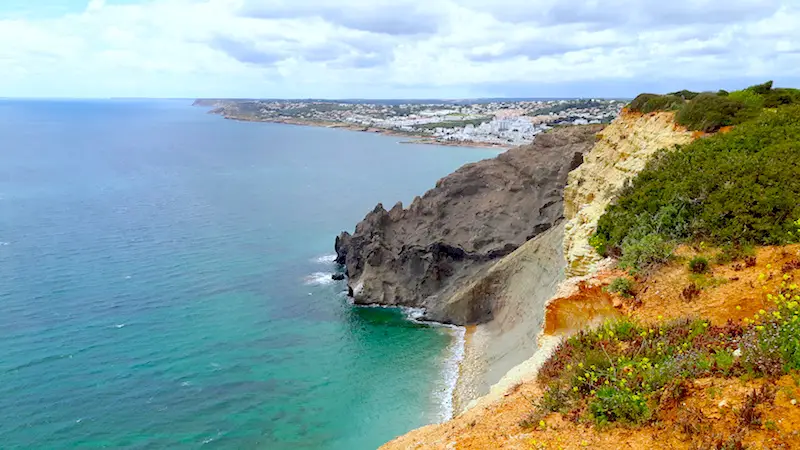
326	99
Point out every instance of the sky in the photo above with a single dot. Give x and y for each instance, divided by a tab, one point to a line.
393	48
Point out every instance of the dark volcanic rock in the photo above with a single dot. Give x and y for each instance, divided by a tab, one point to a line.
338	276
481	212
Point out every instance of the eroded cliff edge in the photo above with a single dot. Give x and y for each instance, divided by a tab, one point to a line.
422	255
621	152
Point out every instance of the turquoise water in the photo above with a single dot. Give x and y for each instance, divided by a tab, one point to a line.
163	282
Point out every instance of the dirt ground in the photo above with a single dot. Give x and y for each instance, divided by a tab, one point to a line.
709	411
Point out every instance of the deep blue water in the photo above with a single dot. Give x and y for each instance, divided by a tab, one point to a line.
161	283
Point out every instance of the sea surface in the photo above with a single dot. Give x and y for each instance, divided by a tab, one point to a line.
165	282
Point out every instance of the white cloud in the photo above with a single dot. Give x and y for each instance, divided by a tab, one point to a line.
94	5
382	48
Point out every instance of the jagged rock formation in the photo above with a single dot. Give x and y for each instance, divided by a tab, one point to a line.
422	255
621	152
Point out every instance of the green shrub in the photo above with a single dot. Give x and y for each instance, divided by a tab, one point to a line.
710	112
724	359
623	328
698	264
598	242
622	370
662	103
735	188
685	94
556	398
749	98
614	405
647	103
781	97
761	89
733	252
638	103
794	233
622	286
645	253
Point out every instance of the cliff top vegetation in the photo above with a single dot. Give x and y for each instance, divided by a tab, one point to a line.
729	189
715	369
709	111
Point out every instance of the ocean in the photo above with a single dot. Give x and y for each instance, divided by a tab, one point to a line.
165	282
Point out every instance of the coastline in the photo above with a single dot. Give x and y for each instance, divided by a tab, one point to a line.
472	366
451	401
412	138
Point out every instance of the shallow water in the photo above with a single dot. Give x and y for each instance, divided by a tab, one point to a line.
164	282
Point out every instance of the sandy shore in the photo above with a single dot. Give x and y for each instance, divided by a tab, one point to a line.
472	387
470	371
507	346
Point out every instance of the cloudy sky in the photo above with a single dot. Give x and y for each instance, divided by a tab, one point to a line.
392	48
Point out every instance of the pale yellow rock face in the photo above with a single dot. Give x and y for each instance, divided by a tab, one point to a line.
622	150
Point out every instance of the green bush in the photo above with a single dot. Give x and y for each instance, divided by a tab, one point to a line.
698	264
685	94
598	242
772	347
620	371
781	97
761	89
764	96
638	103
724	359
662	103
749	98
734	188
642	254
622	286
614	405
647	103
556	398
730	252
710	112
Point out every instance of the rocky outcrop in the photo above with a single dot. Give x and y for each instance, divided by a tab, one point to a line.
621	152
422	255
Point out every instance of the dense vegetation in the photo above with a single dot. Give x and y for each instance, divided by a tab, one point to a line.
626	372
729	189
709	112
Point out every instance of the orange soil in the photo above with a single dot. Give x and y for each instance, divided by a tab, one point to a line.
717	401
741	292
712	402
591	304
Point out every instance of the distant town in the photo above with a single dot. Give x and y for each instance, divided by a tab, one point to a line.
500	123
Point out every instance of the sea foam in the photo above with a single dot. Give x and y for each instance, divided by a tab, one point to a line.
450	369
452	362
319	278
325	259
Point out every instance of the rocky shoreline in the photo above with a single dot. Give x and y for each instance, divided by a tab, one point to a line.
482	250
421	256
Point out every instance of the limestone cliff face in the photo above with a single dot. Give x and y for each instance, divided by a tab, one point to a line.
422	255
621	152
